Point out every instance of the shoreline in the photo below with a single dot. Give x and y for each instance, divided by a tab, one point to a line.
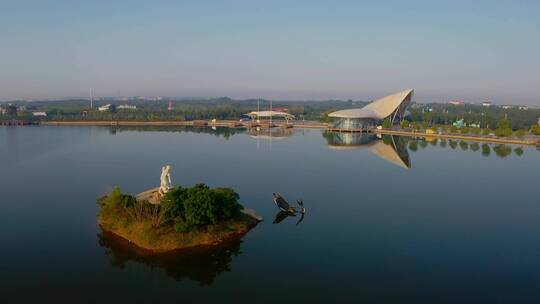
322	126
160	248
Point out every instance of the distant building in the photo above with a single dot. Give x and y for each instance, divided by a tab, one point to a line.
42	114
486	104
394	107
523	107
506	107
127	107
456	102
104	108
281	109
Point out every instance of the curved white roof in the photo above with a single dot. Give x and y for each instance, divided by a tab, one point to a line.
378	109
269	114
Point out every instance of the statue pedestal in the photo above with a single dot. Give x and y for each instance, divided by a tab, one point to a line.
152	196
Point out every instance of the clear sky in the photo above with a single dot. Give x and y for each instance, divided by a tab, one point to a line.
472	50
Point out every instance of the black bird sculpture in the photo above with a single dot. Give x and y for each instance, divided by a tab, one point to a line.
301	204
282	204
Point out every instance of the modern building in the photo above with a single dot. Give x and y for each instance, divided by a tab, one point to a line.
104	108
392	106
269	114
456	102
486	104
127	107
43	114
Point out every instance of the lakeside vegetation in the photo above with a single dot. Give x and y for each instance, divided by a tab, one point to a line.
185	217
223	108
478	120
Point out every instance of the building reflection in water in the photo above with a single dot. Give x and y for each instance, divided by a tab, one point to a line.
202	265
390	148
270	133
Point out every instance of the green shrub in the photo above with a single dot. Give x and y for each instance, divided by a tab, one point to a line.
182	208
404	124
387	123
200	205
520	133
503	132
535	129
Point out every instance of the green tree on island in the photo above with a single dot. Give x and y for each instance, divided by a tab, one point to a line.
184	217
200	205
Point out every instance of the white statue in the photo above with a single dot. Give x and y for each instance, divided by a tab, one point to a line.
165	180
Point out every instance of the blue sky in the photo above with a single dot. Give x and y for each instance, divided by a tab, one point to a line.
473	50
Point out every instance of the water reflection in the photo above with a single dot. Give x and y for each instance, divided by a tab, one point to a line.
202	265
270	133
394	150
281	215
224	132
391	148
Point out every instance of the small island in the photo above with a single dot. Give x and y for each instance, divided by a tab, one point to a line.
179	217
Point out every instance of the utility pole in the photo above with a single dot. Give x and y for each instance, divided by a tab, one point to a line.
258	110
91	98
270	112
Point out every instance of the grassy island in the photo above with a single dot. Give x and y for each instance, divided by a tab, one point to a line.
184	218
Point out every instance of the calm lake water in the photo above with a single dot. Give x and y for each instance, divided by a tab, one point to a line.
388	220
